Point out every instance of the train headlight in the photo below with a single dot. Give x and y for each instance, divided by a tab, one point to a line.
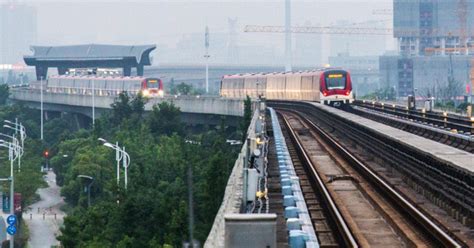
161	93
146	92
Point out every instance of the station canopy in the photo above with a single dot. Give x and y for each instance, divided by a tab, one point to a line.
89	56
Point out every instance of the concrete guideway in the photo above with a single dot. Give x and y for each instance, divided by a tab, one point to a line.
44	218
83	103
461	160
436	173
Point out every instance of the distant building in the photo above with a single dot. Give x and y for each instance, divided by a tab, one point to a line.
364	71
436	48
424	27
426	75
18	31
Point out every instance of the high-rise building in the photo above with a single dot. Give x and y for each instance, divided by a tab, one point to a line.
436	48
18	31
424	27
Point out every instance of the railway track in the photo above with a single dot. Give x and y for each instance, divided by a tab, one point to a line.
351	180
332	230
441	119
454	131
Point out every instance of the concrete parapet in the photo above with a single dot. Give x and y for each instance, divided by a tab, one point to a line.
187	104
233	196
230	204
250	230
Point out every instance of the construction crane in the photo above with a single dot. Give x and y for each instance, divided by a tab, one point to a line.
319	30
382	12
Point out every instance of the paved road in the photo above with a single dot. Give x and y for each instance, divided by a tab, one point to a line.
43	232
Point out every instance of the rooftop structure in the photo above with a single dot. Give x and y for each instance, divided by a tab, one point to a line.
89	56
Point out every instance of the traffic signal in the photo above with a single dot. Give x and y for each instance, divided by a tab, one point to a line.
46	153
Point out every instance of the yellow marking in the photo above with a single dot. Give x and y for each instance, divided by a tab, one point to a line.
335	76
152	81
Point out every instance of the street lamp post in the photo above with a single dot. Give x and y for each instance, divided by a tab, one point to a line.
93	104
41	85
125	164
120	155
18	127
13	153
15	143
88	188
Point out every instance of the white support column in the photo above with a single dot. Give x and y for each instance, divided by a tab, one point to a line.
288	54
443	46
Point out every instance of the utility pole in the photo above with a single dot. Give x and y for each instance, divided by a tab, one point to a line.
190	205
93	104
206	56
12	192
288	56
41	83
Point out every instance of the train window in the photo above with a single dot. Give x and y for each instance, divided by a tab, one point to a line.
335	82
152	83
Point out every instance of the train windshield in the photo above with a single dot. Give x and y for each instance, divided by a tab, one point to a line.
152	83
336	81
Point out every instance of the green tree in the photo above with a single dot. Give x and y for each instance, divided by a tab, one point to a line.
247	116
121	108
184	89
4	93
153	210
165	119
137	105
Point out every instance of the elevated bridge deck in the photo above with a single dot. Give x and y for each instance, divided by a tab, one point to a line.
198	108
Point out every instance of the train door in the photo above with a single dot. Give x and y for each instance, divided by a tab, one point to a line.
307	88
317	87
262	87
293	86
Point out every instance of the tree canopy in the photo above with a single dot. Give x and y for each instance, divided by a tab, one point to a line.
153	211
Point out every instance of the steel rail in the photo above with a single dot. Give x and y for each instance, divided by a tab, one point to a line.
460	141
405	205
345	232
464	124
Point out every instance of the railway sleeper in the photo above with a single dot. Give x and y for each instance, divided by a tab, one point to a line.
436	184
459	207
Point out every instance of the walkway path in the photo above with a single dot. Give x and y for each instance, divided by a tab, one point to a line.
45	217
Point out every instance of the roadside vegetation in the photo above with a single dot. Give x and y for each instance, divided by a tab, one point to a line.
29	179
153	211
183	89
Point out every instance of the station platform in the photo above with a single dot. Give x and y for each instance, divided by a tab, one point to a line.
458	159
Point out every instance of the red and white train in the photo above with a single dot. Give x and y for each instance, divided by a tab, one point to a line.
105	86
328	86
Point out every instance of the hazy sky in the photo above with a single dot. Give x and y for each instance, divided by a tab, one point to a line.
175	25
165	22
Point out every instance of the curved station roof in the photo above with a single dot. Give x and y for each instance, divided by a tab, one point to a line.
89	56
